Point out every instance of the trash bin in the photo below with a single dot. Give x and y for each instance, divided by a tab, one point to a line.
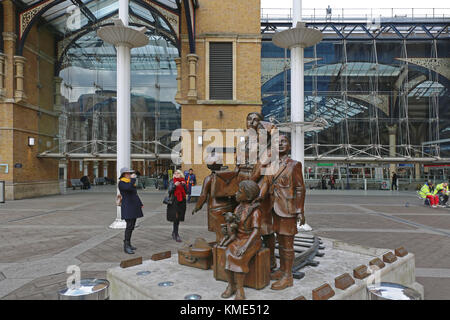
391	291
90	289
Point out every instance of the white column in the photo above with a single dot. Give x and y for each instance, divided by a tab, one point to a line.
297	91
298	97
123	107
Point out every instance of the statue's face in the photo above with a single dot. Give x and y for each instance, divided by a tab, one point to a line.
240	195
252	121
284	145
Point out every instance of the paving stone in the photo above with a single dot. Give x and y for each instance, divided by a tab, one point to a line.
69	224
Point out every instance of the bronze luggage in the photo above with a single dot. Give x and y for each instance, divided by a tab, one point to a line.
198	255
259	275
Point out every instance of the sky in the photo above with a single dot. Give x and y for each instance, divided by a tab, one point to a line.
358	4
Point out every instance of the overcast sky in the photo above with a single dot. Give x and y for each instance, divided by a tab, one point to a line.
358	4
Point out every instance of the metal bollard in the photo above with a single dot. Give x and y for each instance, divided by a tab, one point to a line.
2	192
391	291
90	289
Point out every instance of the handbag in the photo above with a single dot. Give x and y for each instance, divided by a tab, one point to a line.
168	200
119	200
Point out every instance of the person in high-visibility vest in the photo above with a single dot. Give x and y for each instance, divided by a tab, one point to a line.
426	193
441	191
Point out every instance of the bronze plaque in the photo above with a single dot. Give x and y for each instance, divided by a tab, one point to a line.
324	292
161	255
389	257
360	272
401	252
377	262
131	262
344	281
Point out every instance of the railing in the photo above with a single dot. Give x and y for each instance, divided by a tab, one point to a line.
357	15
369	184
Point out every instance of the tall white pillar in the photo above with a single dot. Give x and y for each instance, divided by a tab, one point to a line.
123	38
123	76
296	39
297	91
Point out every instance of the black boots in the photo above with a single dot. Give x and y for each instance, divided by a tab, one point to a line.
127	247
175	235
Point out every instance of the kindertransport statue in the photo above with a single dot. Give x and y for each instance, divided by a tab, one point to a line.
247	240
216	197
286	190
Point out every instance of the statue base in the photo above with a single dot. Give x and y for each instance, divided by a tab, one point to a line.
340	258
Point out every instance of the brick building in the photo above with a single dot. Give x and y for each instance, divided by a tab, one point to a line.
57	88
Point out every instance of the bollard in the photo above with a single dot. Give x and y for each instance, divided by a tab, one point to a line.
2	191
391	291
90	289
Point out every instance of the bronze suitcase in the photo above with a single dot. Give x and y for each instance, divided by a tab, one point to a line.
259	275
200	258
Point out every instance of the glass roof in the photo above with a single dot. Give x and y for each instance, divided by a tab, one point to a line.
90	52
353	69
331	108
426	89
169	3
66	17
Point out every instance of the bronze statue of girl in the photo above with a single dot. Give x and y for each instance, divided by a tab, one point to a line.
248	241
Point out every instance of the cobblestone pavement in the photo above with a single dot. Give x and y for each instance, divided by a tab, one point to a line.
40	238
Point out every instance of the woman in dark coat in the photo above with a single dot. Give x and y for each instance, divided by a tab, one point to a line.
176	210
131	206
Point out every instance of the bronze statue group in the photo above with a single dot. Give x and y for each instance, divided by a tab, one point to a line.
248	210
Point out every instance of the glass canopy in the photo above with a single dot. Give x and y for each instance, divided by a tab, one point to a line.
68	17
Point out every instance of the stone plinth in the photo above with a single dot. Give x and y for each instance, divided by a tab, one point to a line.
340	259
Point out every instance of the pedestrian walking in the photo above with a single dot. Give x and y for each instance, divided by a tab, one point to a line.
394	182
131	205
332	182
324	183
176	207
165	180
191	180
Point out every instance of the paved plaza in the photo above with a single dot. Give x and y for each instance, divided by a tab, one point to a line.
40	237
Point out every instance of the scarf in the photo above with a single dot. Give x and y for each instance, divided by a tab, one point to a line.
126	180
180	193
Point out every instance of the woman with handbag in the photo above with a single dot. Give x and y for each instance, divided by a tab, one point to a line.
176	202
131	205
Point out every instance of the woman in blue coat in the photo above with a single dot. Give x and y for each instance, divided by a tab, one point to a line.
131	206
